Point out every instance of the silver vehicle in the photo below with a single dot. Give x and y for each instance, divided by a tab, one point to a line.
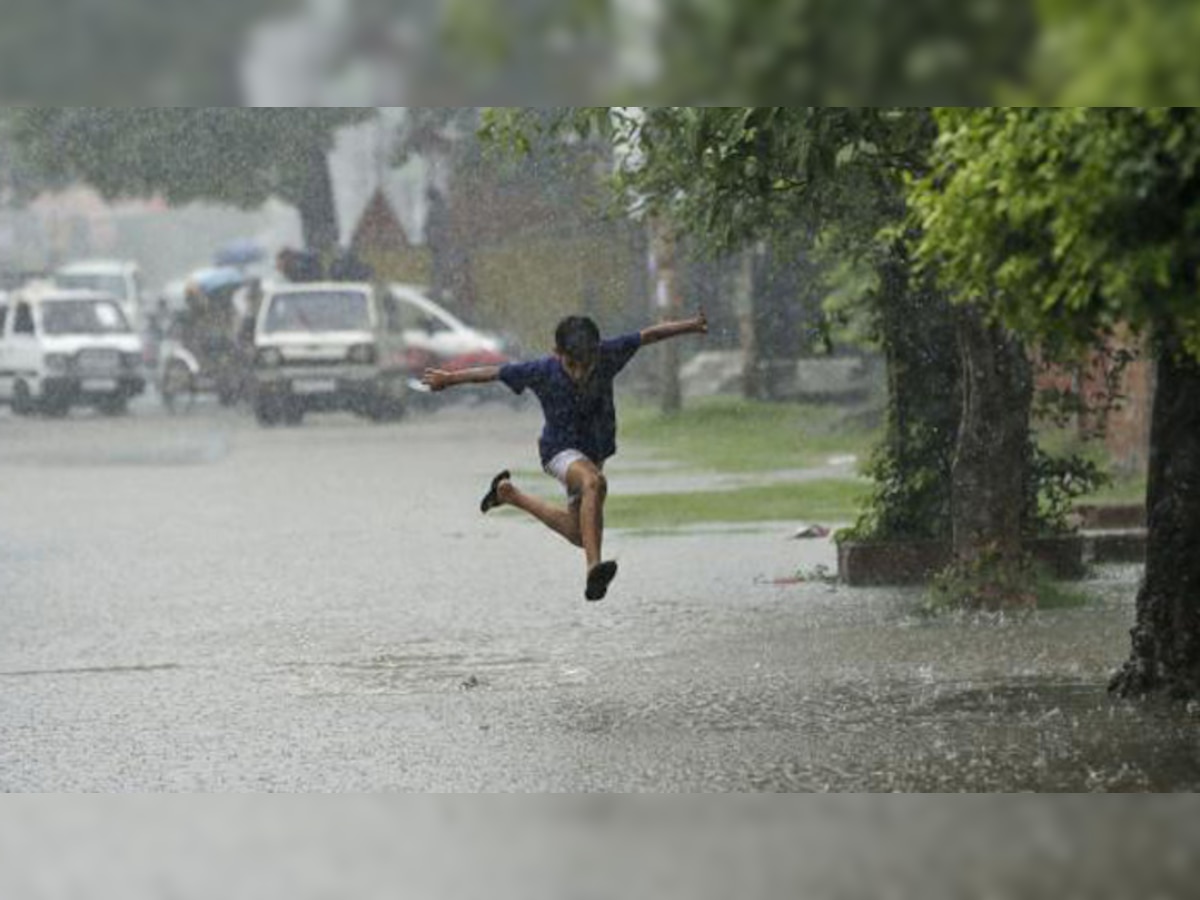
120	278
328	346
61	348
437	335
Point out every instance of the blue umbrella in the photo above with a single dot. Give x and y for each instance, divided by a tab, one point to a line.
218	278
241	252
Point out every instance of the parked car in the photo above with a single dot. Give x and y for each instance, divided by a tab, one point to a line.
435	336
120	278
328	346
60	348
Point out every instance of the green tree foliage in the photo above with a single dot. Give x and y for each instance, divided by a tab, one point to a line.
565	174
838	51
821	51
733	175
230	155
1115	51
1067	223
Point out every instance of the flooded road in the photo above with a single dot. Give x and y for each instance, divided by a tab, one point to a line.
197	604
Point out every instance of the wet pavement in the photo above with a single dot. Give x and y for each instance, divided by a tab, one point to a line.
196	604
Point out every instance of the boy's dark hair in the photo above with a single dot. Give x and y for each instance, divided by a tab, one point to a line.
577	337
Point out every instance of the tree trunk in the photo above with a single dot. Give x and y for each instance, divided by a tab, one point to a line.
991	461
315	203
668	303
437	240
894	319
912	469
743	293
1166	637
775	310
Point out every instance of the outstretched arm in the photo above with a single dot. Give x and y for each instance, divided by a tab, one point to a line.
440	379
698	324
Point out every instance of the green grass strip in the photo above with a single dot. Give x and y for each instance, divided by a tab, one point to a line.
810	501
726	434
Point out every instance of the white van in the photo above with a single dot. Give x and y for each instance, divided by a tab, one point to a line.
328	346
60	348
118	277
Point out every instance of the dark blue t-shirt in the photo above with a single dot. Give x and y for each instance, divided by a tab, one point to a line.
582	417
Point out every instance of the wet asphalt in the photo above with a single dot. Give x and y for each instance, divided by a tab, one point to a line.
195	604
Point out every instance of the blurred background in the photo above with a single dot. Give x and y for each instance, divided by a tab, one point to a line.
513	241
391	52
347	165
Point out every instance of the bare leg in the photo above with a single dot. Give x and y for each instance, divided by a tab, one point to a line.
562	521
581	523
589	484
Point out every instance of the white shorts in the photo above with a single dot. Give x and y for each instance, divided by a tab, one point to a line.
560	463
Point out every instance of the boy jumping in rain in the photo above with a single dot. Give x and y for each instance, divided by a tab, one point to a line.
575	388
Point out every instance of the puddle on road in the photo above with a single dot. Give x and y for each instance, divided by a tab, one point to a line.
435	671
1039	735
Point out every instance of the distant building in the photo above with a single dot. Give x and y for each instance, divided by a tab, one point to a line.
1127	431
1124	418
379	239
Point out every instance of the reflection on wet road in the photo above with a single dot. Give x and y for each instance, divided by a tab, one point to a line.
195	604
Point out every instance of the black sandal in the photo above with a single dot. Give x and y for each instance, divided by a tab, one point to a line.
492	497
599	578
